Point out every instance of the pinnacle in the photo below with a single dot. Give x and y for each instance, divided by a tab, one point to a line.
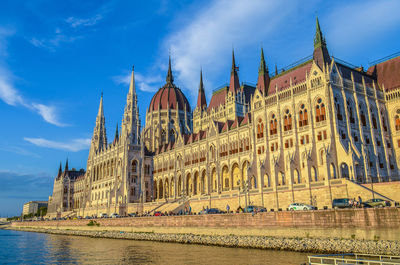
170	78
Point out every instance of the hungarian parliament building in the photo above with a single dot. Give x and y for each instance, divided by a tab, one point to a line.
318	130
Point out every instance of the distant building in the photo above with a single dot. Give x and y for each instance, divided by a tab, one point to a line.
33	207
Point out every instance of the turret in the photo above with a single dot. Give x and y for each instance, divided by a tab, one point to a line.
99	139
59	171
321	54
234	84
131	121
263	76
66	166
116	137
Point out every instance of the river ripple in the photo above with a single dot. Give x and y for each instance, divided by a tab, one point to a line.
17	247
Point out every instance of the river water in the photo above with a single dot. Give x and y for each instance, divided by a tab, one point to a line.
18	247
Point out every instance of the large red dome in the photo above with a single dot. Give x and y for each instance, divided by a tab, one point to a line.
169	96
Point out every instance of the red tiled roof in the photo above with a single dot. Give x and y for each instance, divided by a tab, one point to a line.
282	81
217	99
387	73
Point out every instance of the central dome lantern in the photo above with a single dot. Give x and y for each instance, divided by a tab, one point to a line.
169	96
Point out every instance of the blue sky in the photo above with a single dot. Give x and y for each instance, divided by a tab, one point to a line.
57	56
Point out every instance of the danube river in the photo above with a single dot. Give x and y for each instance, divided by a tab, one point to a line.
18	247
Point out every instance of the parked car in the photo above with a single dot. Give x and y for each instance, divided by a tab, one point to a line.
378	203
211	211
300	207
114	215
253	208
132	214
79	217
341	203
88	217
158	213
103	215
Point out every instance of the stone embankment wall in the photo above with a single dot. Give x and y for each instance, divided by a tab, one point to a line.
315	245
371	224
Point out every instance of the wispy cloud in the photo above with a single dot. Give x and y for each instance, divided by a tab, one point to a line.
52	43
208	37
147	83
19	150
11	96
83	22
73	145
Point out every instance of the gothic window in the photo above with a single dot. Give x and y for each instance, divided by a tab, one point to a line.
163	137
320	111
287	121
273	125
134	166
363	120
374	122
171	136
260	129
350	110
397	121
338	110
303	116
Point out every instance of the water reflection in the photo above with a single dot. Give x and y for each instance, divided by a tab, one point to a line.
34	248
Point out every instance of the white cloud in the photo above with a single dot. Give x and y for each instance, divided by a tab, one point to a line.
208	37
147	83
77	22
74	145
361	22
48	113
11	96
54	42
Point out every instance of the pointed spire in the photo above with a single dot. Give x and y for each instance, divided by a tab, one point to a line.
101	112
116	138
60	170
201	98
263	75
276	69
132	87
321	54
234	84
66	165
170	78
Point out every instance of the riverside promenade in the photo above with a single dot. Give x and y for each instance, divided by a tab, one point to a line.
371	230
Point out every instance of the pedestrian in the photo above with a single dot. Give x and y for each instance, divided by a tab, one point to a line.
360	201
190	209
227	208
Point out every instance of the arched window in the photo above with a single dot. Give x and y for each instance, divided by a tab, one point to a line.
374	122
303	116
134	166
287	121
273	129
260	129
320	111
397	121
171	136
338	110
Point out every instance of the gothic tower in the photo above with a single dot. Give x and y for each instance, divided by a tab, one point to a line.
99	138
131	121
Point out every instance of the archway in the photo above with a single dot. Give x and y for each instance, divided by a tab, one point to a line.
282	178
172	189
179	186
203	182
244	172
160	189
195	183
236	175
344	171
297	176
267	180
225	177
166	185
214	183
314	175
189	184
253	182
333	171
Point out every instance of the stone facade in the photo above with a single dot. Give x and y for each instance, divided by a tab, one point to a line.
296	136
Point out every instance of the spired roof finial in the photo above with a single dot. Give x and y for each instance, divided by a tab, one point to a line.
170	78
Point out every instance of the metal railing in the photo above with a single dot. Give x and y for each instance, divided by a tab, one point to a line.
353	259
